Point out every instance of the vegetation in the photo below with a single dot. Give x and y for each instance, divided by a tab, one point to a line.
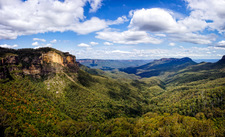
189	102
159	67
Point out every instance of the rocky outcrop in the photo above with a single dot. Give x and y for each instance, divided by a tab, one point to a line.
38	64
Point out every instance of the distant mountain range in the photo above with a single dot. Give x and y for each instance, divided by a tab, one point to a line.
111	64
158	67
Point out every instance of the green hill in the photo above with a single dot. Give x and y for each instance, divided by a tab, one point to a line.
89	102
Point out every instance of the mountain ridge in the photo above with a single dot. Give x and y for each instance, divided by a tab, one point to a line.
157	67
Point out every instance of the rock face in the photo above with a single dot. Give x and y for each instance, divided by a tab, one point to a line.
37	64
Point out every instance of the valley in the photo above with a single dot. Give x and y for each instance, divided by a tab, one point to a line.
60	97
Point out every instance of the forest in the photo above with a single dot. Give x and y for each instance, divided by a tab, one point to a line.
187	101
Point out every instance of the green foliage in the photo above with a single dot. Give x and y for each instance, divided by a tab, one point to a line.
159	67
181	103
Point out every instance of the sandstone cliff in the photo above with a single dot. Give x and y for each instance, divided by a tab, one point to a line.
36	63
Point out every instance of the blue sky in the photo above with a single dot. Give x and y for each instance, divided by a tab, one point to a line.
116	29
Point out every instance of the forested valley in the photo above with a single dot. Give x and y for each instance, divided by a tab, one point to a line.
182	99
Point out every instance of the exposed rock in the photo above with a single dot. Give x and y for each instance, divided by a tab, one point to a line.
12	59
41	62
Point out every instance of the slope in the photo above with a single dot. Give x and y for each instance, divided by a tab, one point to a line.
159	67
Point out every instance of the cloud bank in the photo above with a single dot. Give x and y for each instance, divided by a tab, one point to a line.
39	16
146	24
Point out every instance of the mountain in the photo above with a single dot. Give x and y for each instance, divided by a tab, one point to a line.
159	67
73	100
33	62
111	64
197	72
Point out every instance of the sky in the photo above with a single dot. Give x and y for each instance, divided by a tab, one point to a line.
116	29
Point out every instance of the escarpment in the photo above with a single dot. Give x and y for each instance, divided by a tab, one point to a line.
37	63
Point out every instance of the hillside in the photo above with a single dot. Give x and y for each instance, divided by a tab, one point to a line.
159	67
79	101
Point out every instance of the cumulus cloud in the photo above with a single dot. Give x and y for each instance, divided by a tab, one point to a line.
160	20
209	10
160	23
83	45
40	16
94	24
95	5
37	39
127	37
8	46
108	43
157	20
94	43
119	20
35	43
53	41
153	20
221	43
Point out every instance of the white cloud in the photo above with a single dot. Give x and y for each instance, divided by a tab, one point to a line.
153	20
127	37
83	45
35	43
92	25
160	23
94	43
95	5
37	39
108	43
44	45
8	46
160	35
158	20
119	20
209	10
33	16
172	44
47	45
53	41
221	43
192	24
193	38
120	51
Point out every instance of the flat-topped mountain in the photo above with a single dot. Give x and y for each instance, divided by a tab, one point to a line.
35	62
158	67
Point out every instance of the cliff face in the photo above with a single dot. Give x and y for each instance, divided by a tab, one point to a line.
37	63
